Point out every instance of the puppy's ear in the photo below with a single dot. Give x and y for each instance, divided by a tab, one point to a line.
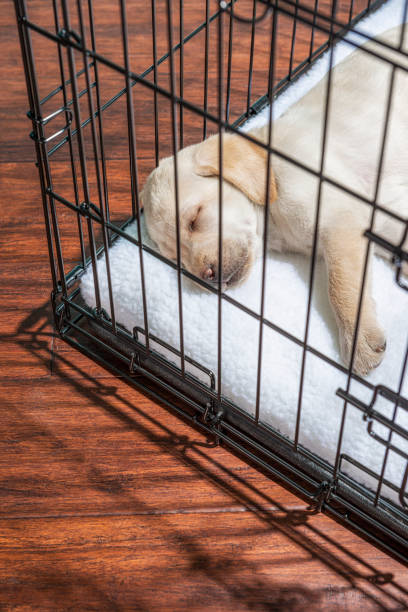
244	165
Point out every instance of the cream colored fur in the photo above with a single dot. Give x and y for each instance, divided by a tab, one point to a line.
358	101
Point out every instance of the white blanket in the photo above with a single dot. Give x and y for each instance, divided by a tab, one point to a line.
285	305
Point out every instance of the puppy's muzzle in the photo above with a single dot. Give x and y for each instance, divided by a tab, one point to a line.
230	275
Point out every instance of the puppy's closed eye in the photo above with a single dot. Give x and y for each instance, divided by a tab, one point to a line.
194	221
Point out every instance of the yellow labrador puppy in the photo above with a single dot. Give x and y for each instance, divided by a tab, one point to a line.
358	102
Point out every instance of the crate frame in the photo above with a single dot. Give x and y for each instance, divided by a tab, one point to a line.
326	488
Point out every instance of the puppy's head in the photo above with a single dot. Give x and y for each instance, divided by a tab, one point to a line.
243	194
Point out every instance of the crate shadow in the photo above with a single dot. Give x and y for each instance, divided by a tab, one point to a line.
238	578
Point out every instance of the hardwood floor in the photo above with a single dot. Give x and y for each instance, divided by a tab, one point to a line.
109	501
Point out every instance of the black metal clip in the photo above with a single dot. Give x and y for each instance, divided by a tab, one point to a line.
85	209
322	496
65	35
210	418
101	314
134	362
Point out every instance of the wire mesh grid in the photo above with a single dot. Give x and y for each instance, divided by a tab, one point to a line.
113	89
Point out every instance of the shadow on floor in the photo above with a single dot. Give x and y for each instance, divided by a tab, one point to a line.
232	577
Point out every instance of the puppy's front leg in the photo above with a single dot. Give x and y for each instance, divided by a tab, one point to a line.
344	250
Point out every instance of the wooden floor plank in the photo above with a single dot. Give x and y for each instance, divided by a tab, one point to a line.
224	561
85	447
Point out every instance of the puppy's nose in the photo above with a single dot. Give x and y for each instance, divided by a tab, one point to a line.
209	274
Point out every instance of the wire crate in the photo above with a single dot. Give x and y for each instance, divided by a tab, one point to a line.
112	89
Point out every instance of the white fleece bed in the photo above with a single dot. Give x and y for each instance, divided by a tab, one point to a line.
285	305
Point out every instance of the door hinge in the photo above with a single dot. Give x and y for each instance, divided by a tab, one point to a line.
322	496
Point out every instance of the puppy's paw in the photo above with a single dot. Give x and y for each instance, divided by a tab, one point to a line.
370	348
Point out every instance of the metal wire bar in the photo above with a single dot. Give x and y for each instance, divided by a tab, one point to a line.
229	65
101	198
251	58
315	11
134	180
71	151
274	26
344	457
293	41
206	52
156	111
373	415
32	92
181	71
220	75
176	181
58	89
166	345
100	120
351	10
82	157
315	238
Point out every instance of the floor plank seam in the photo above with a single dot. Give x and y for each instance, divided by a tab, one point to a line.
226	510
52	355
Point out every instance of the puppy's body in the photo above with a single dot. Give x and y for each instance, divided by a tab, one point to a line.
358	103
